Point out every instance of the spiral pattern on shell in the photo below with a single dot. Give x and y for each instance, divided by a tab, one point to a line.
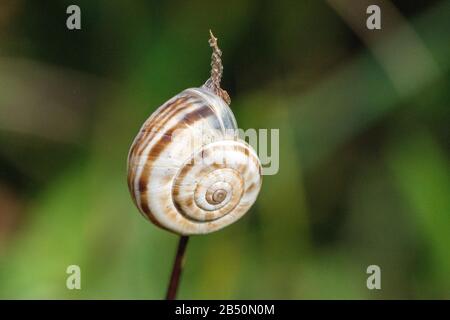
188	171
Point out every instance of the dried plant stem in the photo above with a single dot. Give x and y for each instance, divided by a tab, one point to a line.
213	82
216	61
177	268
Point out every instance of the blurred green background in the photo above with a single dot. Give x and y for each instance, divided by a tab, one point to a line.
364	145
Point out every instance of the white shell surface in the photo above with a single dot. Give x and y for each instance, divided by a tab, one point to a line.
188	171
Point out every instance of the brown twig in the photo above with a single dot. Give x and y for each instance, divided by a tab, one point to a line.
213	82
216	61
177	268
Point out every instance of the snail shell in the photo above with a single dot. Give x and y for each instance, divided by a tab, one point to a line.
188	171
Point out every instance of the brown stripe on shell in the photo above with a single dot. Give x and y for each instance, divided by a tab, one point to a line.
147	132
146	212
156	151
190	118
179	107
184	171
157	124
187	96
205	154
251	187
144	133
143	137
131	189
162	117
179	208
160	120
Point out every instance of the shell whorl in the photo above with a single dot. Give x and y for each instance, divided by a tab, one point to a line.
188	171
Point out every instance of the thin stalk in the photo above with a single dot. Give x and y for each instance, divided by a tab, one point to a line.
177	268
